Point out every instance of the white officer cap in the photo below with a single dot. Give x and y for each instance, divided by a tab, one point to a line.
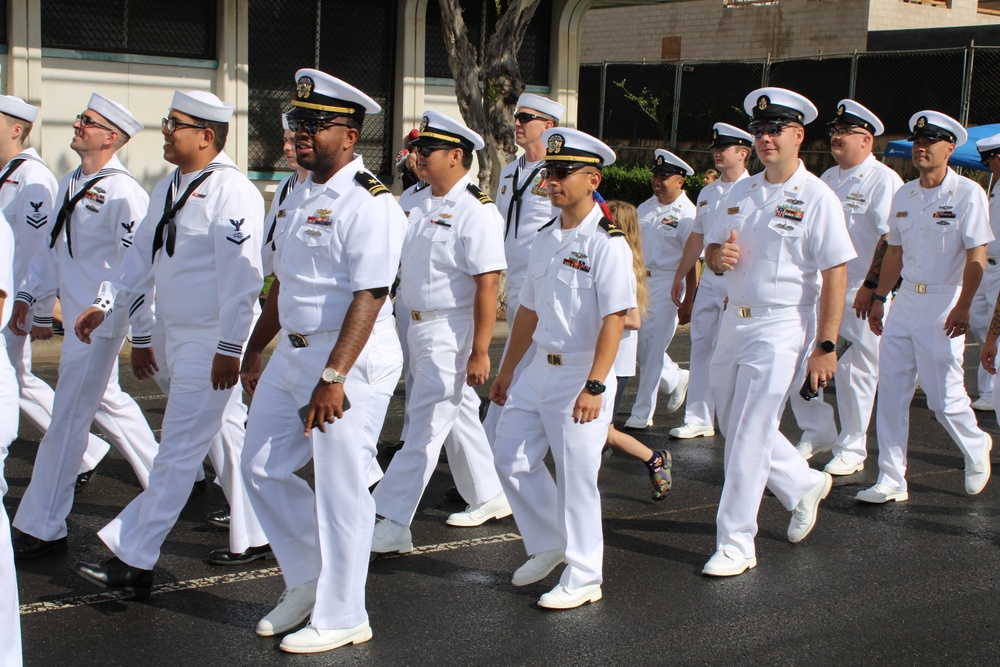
724	134
18	108
284	122
851	113
935	125
203	105
319	95
666	163
573	148
779	104
436	129
117	114
988	147
541	104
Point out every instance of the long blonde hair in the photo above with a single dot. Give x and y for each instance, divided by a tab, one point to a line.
627	219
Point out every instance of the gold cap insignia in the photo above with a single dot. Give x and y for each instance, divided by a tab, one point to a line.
922	121
841	109
556	143
304	88
659	160
423	123
715	134
763	101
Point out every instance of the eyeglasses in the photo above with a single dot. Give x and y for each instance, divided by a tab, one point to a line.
559	173
87	121
758	130
842	131
170	125
312	126
425	151
523	117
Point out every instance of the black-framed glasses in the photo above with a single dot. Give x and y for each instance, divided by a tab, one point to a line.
87	121
559	173
425	151
523	117
170	125
842	131
312	126
758	130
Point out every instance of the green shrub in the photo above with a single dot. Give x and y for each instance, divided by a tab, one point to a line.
631	183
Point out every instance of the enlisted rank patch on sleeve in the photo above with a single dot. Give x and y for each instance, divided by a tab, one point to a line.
610	228
36	219
129	228
479	194
238	237
733	210
370	183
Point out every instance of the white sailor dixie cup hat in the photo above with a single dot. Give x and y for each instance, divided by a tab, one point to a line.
666	163
319	95
779	104
988	147
116	113
724	134
18	108
565	147
202	104
541	104
936	126
853	114
436	129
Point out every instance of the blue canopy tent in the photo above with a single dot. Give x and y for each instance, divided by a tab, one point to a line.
965	155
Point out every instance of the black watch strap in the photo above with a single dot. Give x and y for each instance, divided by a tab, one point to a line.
595	387
826	345
879	297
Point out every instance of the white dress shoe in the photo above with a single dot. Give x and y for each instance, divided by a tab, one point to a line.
692	431
982	404
294	606
390	537
804	514
679	392
476	515
538	567
809	449
315	640
561	597
637	423
841	465
978	474
727	563
880	493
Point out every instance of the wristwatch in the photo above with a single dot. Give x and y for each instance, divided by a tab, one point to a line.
826	345
595	387
879	297
332	376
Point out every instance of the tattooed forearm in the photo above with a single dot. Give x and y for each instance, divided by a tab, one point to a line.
357	328
994	330
875	270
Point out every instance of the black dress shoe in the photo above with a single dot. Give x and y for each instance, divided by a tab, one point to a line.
219	518
82	480
113	573
227	557
28	546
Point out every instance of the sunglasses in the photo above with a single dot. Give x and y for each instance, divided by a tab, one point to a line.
524	117
425	151
312	126
559	173
87	121
169	125
758	130
842	131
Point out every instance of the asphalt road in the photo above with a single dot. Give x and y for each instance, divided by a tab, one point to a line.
900	584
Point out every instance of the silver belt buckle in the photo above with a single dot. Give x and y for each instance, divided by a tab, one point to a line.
554	359
298	340
415	316
920	288
744	311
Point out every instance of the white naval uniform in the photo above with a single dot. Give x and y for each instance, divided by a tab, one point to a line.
206	293
523	202
10	615
709	306
575	279
787	235
99	233
865	192
935	228
985	301
271	222
26	199
665	229
337	239
449	240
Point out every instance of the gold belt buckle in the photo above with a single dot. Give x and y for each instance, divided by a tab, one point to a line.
920	288
649	273
298	340
554	359
415	315
744	311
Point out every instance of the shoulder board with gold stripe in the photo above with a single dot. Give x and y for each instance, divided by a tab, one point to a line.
370	183
479	194
610	228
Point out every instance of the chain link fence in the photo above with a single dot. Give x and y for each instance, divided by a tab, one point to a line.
638	107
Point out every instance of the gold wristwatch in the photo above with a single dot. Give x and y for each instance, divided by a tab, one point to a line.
332	376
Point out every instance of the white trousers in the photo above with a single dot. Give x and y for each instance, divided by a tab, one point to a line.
10	616
224	451
564	513
36	396
980	316
88	376
857	380
755	362
814	417
194	415
440	404
326	534
656	368
706	318
914	343
493	410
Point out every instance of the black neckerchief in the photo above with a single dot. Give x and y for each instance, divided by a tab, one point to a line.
65	216
170	209
285	191
515	198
